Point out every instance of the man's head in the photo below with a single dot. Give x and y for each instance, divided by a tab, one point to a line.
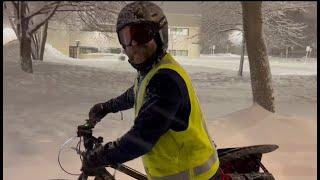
138	42
143	32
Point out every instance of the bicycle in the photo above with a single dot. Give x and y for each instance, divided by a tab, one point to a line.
236	163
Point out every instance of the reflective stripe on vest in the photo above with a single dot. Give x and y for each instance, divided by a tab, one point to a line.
185	175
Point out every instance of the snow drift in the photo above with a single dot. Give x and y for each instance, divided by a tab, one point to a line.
296	137
52	53
8	35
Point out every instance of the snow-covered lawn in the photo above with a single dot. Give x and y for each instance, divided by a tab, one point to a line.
8	35
43	109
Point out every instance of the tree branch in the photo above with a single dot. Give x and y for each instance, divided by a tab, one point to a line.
36	27
288	8
39	11
15	5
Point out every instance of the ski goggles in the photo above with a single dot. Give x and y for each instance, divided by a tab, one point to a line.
140	33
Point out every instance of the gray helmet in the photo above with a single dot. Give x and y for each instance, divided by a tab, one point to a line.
145	12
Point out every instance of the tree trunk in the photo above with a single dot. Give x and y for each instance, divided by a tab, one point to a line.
286	53
260	74
43	40
25	43
227	48
35	46
306	57
33	43
243	47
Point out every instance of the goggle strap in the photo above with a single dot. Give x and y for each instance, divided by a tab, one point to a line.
161	22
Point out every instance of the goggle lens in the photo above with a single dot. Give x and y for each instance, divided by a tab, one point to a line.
140	33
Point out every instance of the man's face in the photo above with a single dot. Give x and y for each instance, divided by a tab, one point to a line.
136	51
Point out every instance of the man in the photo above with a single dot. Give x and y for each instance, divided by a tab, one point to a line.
169	131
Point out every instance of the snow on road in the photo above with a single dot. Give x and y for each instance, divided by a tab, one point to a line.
205	63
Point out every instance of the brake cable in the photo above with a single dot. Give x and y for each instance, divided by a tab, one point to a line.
76	149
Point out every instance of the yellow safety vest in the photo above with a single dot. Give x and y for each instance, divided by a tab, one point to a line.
188	154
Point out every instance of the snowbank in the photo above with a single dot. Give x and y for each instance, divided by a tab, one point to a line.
8	35
221	55
52	53
11	50
208	63
296	137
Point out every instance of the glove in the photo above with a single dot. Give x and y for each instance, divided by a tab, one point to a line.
93	161
97	112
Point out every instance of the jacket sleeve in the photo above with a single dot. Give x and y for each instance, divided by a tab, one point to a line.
155	118
123	102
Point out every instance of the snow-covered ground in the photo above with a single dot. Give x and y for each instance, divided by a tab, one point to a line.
8	35
205	62
43	109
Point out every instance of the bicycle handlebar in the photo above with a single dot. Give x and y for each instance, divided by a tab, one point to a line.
91	142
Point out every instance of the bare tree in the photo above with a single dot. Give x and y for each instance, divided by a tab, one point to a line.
28	17
218	19
92	16
243	49
260	74
24	24
43	39
99	16
281	31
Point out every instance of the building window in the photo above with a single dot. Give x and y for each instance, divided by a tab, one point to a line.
115	50
179	52
106	27
179	31
86	50
82	50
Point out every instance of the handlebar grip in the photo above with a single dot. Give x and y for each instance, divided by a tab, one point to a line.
84	131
